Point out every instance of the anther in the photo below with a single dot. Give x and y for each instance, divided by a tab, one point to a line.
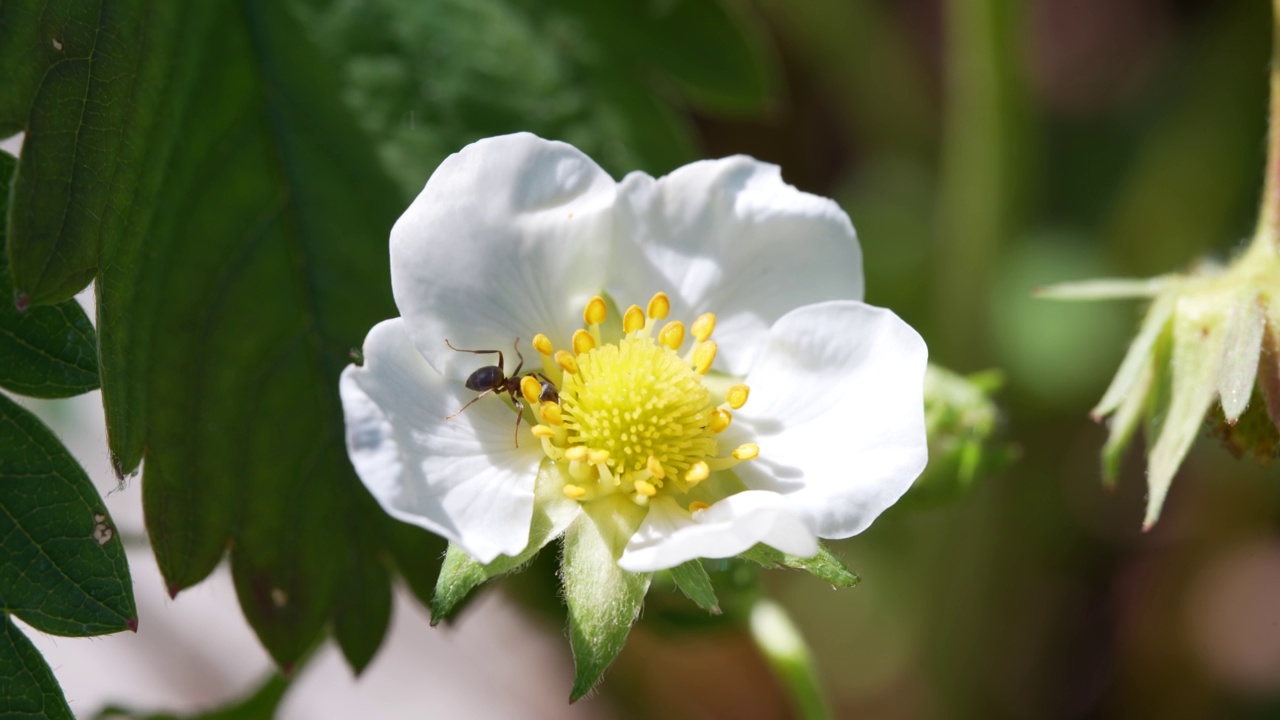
566	361
530	388
575	492
597	457
543	431
595	312
672	335
582	342
645	488
551	413
747	451
703	356
737	396
695	506
577	453
655	468
720	420
633	320
697	472
703	326
659	306
542	344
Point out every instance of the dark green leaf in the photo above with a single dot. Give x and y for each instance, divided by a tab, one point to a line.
47	352
261	705
603	599
64	569
695	583
824	565
27	686
364	610
77	94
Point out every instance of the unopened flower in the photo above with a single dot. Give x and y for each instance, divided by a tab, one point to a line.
691	356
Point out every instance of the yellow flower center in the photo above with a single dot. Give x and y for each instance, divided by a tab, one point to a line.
634	415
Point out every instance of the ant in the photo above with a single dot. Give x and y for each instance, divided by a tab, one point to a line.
493	378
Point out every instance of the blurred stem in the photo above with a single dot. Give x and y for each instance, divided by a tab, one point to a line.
1268	232
786	652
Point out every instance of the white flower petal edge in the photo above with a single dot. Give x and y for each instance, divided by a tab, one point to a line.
837	408
729	236
462	478
510	236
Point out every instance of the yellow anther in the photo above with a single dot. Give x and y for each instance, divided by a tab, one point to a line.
655	468
645	488
697	472
633	319
551	413
577	453
595	312
703	356
720	420
597	457
659	306
575	492
566	361
582	342
737	396
747	451
542	344
696	506
543	431
672	335
530	388
703	326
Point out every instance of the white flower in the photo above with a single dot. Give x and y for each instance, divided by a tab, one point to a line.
526	246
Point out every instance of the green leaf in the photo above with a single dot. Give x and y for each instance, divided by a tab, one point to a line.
604	600
824	565
48	352
75	92
363	610
461	574
692	579
27	686
260	705
64	569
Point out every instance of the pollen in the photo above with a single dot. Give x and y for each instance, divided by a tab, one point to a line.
542	344
703	356
582	342
671	335
566	362
703	326
659	306
530	388
737	396
633	320
595	312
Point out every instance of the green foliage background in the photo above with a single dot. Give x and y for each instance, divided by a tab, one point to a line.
226	172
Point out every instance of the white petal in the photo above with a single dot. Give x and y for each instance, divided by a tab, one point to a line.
509	238
670	535
837	408
463	478
730	237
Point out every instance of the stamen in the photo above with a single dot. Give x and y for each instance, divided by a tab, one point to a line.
720	420
703	326
697	506
595	312
542	344
551	413
659	306
531	389
698	472
703	356
566	361
577	453
633	320
646	489
597	457
672	335
575	492
582	342
655	468
737	396
747	451
543	431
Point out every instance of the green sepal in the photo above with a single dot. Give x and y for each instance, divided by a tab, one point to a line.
461	573
692	579
47	351
604	600
64	570
27	688
824	565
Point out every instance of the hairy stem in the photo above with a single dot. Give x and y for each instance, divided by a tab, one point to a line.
786	652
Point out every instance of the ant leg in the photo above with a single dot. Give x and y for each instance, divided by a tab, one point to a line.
519	417
478	352
473	402
519	355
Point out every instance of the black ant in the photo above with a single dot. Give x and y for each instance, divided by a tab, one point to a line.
493	378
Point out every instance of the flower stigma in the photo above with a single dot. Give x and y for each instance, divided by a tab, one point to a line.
634	415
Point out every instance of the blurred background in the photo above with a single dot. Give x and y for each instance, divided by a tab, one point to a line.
982	148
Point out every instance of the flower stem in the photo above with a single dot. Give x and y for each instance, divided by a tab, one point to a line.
1268	233
782	646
